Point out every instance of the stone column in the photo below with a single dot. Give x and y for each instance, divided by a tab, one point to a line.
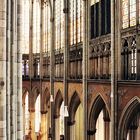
107	129
8	68
52	60
114	41
72	131
44	124
19	70
3	69
14	71
31	71
85	64
32	124
66	60
57	127
42	29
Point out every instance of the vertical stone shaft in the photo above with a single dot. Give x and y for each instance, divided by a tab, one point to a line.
66	60
41	38
85	65
8	40
52	70
31	39
19	70
113	128
14	72
3	69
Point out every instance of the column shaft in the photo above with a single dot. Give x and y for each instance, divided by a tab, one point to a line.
85	65
114	35
19	70
3	69
44	124
8	57
14	72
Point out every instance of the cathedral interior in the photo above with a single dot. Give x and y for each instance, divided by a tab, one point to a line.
69	70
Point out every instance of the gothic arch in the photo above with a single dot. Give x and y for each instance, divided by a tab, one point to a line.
58	101
131	110
45	96
105	102
24	93
32	97
73	105
97	106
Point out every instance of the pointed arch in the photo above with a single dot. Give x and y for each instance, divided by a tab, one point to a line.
131	110
33	96
45	96
58	102
73	105
97	106
24	93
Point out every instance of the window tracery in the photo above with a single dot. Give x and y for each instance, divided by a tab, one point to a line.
76	21
128	13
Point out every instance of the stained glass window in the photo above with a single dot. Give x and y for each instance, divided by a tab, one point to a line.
25	49
59	24
76	19
36	27
125	14
128	13
132	12
133	58
47	29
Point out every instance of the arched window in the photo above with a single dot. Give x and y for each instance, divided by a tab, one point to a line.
26	27
59	24
129	59
36	26
100	17
47	29
128	13
76	21
37	114
134	60
26	115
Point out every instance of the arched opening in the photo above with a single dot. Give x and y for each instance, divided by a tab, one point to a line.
61	122
129	127
99	121
99	135
37	115
75	119
59	116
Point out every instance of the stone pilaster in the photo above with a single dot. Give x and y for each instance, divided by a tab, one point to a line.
19	70
3	69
